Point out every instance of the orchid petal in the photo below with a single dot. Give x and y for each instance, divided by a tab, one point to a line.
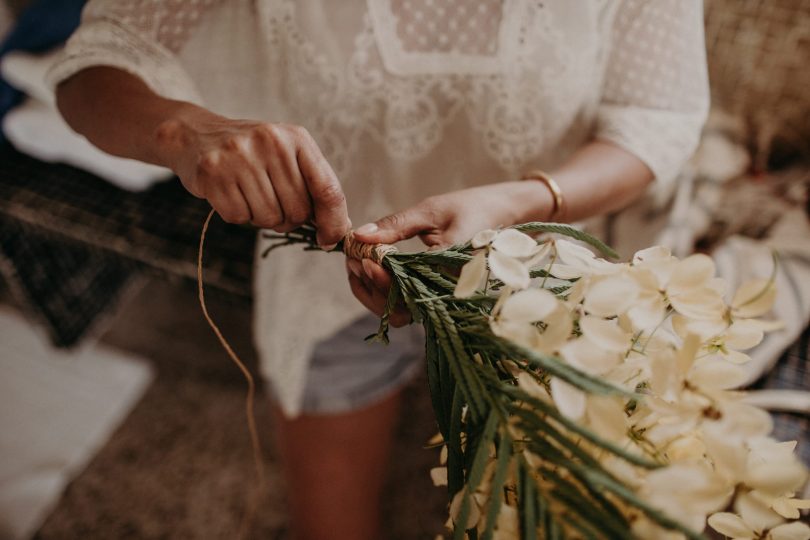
530	305
754	298
732	525
611	296
521	333
472	277
569	399
514	243
589	356
559	326
699	304
439	476
717	375
691	273
606	417
776	477
604	333
652	254
529	384
483	238
511	271
790	531
757	515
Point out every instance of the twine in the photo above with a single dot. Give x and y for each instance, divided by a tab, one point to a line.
251	390
354	249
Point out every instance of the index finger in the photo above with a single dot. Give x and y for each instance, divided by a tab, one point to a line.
328	200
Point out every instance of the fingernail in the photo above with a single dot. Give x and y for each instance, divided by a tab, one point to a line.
368	228
328	247
354	267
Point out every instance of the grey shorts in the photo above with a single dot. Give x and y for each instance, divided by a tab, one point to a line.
347	373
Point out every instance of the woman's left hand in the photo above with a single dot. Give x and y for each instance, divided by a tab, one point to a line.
441	221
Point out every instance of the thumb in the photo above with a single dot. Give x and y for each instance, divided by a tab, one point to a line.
396	227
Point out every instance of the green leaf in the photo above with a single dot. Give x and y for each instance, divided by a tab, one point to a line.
496	495
527	504
569	231
585	433
432	360
476	473
455	456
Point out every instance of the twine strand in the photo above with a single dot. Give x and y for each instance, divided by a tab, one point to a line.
354	249
251	387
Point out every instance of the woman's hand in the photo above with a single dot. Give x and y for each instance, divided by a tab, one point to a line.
441	221
272	175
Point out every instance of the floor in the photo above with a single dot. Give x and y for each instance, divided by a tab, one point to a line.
180	465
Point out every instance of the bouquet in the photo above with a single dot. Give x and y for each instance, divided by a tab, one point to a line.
581	398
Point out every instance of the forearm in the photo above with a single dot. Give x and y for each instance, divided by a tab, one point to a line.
120	114
599	178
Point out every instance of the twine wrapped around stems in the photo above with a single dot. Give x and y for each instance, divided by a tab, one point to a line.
354	249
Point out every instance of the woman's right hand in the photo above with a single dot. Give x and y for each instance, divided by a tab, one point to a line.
271	175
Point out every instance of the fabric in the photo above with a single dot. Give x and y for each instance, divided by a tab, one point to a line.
57	409
43	25
36	128
743	220
67	286
70	242
348	373
410	98
792	373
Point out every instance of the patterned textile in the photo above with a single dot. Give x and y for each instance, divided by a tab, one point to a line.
792	372
32	263
69	241
408	99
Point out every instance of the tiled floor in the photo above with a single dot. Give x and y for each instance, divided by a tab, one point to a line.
179	466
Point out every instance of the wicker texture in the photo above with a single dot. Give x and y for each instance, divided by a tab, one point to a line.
759	53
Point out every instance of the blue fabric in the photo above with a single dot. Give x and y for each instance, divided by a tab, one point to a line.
40	27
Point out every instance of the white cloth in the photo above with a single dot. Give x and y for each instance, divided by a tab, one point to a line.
703	200
410	98
57	409
36	128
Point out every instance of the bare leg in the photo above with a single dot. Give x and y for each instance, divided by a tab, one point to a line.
335	466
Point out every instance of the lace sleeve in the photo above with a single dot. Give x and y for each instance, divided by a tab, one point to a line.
141	37
655	96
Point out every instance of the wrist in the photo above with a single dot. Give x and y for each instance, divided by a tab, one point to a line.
178	133
530	201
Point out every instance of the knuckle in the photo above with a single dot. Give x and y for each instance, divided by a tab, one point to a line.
331	195
237	144
268	222
272	134
208	164
298	215
265	130
300	133
393	221
235	215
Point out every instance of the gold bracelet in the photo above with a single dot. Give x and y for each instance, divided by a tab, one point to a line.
559	202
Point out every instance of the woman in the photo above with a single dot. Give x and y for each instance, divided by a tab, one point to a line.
437	107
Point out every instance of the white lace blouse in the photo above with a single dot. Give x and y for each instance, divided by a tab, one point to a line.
410	98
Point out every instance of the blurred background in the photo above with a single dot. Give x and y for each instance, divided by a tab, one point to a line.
120	415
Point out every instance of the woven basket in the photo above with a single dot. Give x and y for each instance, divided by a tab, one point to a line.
759	68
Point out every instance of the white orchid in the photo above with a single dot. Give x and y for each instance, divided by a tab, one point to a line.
661	327
687	492
533	318
507	254
755	521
